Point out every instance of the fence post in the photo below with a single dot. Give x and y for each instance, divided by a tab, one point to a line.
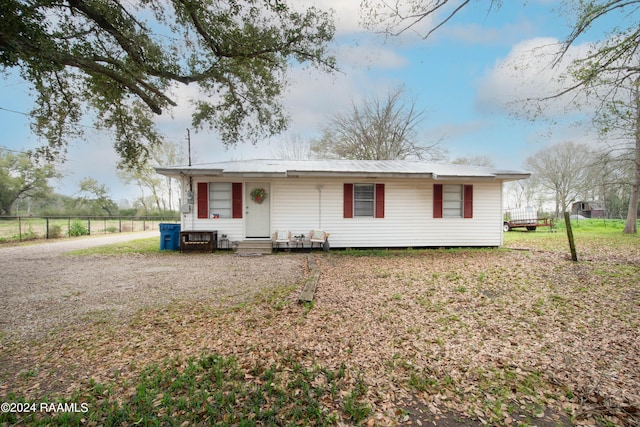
572	243
54	225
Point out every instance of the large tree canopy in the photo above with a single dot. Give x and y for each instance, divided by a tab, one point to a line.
565	170
121	60
21	176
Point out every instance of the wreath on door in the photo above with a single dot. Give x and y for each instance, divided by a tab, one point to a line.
258	195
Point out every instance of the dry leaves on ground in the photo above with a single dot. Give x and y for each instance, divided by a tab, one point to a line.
499	336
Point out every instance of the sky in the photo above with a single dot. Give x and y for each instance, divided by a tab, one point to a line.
465	77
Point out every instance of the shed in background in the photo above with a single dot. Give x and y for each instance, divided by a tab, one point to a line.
589	209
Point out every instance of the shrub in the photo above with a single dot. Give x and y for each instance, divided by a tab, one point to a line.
78	229
27	234
55	231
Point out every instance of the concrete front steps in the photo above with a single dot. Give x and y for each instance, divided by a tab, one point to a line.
251	247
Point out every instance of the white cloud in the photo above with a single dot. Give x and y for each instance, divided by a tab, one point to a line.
528	73
183	95
450	130
346	13
370	51
487	35
314	96
94	157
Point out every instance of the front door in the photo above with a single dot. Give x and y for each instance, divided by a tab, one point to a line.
257	209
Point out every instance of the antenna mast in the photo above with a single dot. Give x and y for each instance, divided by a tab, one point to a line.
189	145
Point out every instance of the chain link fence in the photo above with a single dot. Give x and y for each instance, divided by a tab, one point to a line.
22	228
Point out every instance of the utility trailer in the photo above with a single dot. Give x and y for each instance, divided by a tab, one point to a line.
524	218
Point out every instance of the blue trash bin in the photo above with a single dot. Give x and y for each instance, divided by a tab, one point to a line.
169	237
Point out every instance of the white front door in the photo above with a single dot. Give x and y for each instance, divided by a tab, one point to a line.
257	211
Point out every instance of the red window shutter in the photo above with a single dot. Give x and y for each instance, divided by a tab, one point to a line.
348	201
468	201
437	200
203	200
379	200
236	200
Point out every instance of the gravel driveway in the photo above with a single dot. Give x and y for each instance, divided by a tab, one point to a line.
43	289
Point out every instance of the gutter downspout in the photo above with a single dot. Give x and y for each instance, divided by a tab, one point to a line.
319	187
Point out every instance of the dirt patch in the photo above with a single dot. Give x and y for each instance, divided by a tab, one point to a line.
416	412
438	337
43	292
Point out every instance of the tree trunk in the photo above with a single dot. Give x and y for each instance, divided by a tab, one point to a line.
630	226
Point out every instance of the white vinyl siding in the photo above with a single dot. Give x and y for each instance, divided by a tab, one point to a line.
220	199
452	198
303	204
233	228
300	206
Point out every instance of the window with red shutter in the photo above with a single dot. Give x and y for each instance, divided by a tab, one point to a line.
468	201
203	200
379	200
236	200
348	201
437	200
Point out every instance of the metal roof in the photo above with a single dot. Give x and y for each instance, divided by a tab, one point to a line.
342	168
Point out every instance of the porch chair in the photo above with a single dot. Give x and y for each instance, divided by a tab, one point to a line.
281	237
320	237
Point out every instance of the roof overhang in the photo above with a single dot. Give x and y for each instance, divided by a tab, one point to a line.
513	176
492	177
355	174
324	171
179	172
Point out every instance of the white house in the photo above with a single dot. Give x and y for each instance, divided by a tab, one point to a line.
361	203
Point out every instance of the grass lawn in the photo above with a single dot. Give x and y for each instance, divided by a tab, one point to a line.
147	246
35	228
515	336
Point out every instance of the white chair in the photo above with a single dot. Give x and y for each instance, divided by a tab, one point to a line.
281	237
320	237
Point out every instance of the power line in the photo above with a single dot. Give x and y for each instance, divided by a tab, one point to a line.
2	147
108	130
14	111
22	113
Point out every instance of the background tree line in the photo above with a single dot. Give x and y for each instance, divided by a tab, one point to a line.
26	188
568	172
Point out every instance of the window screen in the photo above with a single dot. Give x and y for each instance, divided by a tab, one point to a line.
452	201
220	199
363	199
